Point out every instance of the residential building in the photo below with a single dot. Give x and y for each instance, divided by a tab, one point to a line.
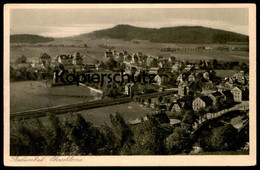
201	102
177	106
108	54
176	67
45	58
180	77
154	70
206	75
64	59
128	87
158	80
227	95
77	59
184	88
191	77
237	93
215	97
189	68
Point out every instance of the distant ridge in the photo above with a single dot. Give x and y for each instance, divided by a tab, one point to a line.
29	38
181	34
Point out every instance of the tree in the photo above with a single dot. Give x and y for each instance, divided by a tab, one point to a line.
123	134
111	64
179	141
189	118
133	70
223	138
121	58
149	137
154	63
26	140
215	64
103	65
165	81
111	90
83	137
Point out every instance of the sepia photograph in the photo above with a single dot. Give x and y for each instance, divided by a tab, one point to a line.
136	84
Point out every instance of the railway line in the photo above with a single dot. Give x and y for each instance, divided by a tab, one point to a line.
67	108
81	106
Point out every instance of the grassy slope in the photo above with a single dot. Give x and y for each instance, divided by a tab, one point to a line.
23	96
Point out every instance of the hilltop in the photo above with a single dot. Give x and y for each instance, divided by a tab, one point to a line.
28	38
181	34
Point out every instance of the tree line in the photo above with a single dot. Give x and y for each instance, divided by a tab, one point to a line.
75	136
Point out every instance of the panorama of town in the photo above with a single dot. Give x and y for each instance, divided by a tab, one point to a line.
188	109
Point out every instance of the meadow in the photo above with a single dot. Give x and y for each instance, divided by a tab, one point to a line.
101	116
225	73
28	95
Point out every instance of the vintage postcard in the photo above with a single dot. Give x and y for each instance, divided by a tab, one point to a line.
129	85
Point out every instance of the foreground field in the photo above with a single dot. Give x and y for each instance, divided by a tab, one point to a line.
27	95
100	116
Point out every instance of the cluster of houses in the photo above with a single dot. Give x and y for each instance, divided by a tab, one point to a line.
70	62
50	45
221	48
174	104
137	58
44	61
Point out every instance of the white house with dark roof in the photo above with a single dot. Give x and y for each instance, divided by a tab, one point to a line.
237	93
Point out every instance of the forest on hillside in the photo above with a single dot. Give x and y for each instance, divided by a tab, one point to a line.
183	34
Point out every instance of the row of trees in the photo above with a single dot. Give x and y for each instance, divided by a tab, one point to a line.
23	74
75	136
224	65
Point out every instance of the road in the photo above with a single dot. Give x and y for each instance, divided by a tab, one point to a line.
210	116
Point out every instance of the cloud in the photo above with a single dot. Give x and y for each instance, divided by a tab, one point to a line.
68	22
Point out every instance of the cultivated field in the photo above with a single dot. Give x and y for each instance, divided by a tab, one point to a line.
28	95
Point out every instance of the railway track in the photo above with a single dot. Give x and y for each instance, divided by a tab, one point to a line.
79	106
67	108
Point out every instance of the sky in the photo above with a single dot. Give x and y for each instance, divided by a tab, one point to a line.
69	22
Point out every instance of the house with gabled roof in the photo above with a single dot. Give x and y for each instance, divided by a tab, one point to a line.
215	96
189	67
176	66
191	77
238	94
201	102
45	58
154	70
227	94
177	106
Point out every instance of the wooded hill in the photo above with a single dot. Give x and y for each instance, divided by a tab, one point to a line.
28	38
181	34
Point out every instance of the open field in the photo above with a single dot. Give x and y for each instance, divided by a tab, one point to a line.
28	95
146	47
129	111
225	73
239	56
100	116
